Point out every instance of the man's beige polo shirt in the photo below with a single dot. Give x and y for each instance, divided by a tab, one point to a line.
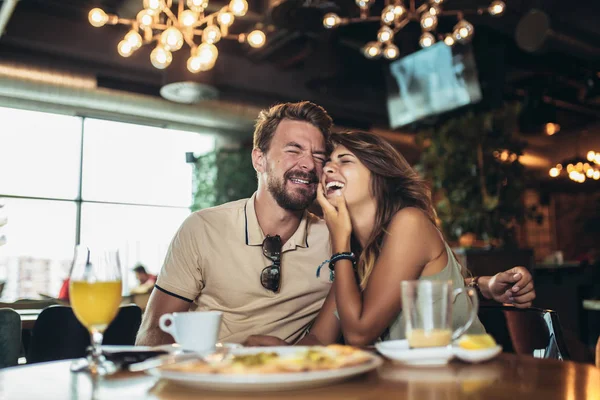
215	261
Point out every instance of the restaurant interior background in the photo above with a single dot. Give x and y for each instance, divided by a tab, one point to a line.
91	150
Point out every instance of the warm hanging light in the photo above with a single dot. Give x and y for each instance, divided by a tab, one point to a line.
171	39
239	8
449	40
125	48
385	34
579	169
211	34
256	39
331	20
391	51
188	18
428	21
496	7
426	40
372	50
463	31
173	25
97	17
160	57
427	13
134	39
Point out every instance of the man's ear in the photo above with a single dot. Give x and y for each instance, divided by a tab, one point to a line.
258	160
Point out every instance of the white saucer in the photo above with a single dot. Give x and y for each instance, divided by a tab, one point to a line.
477	356
399	351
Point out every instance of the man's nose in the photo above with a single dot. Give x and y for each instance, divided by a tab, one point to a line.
307	162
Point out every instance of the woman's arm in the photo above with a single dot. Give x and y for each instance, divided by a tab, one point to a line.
412	242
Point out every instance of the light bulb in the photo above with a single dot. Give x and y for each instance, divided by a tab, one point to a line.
171	39
225	18
197	5
399	10
435	9
570	168
211	34
97	17
574	175
589	173
579	166
391	52
554	172
372	50
437	1
559	167
207	53
596	175
463	31
331	20
125	48
161	58
188	18
551	128
428	21
134	39
385	34
154	5
195	65
449	40
144	18
364	4
239	8
591	155
496	7
256	39
388	15
597	158
426	40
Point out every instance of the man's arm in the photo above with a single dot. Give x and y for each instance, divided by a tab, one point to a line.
514	286
160	303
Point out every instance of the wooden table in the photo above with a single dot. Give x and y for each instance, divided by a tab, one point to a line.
509	377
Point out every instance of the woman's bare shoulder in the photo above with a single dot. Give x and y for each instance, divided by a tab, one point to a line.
413	224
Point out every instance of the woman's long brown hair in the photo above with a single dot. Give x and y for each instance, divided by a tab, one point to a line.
394	185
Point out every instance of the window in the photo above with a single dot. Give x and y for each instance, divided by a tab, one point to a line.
66	180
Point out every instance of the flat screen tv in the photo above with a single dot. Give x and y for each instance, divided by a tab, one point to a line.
431	81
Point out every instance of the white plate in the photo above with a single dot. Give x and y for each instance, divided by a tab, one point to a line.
399	351
169	348
477	356
266	382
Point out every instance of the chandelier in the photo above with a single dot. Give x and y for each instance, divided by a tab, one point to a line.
157	22
396	16
578	168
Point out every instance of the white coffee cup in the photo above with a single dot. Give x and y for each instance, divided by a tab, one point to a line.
195	330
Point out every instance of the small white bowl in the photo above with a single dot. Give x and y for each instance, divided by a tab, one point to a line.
399	351
476	356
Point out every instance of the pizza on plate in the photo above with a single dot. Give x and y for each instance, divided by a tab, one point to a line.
314	358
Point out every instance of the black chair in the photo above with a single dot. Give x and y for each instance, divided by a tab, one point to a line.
58	335
530	331
10	337
124	328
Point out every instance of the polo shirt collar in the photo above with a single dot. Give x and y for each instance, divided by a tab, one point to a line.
254	235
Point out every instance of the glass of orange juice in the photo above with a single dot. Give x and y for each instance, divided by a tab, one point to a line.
95	294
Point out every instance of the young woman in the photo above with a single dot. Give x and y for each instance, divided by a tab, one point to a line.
377	207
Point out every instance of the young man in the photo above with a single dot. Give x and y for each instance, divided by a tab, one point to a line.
227	258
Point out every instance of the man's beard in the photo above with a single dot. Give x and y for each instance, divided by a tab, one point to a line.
300	199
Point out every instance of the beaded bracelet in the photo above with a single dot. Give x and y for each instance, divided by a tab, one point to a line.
348	255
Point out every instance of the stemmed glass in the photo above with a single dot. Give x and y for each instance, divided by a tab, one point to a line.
95	294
